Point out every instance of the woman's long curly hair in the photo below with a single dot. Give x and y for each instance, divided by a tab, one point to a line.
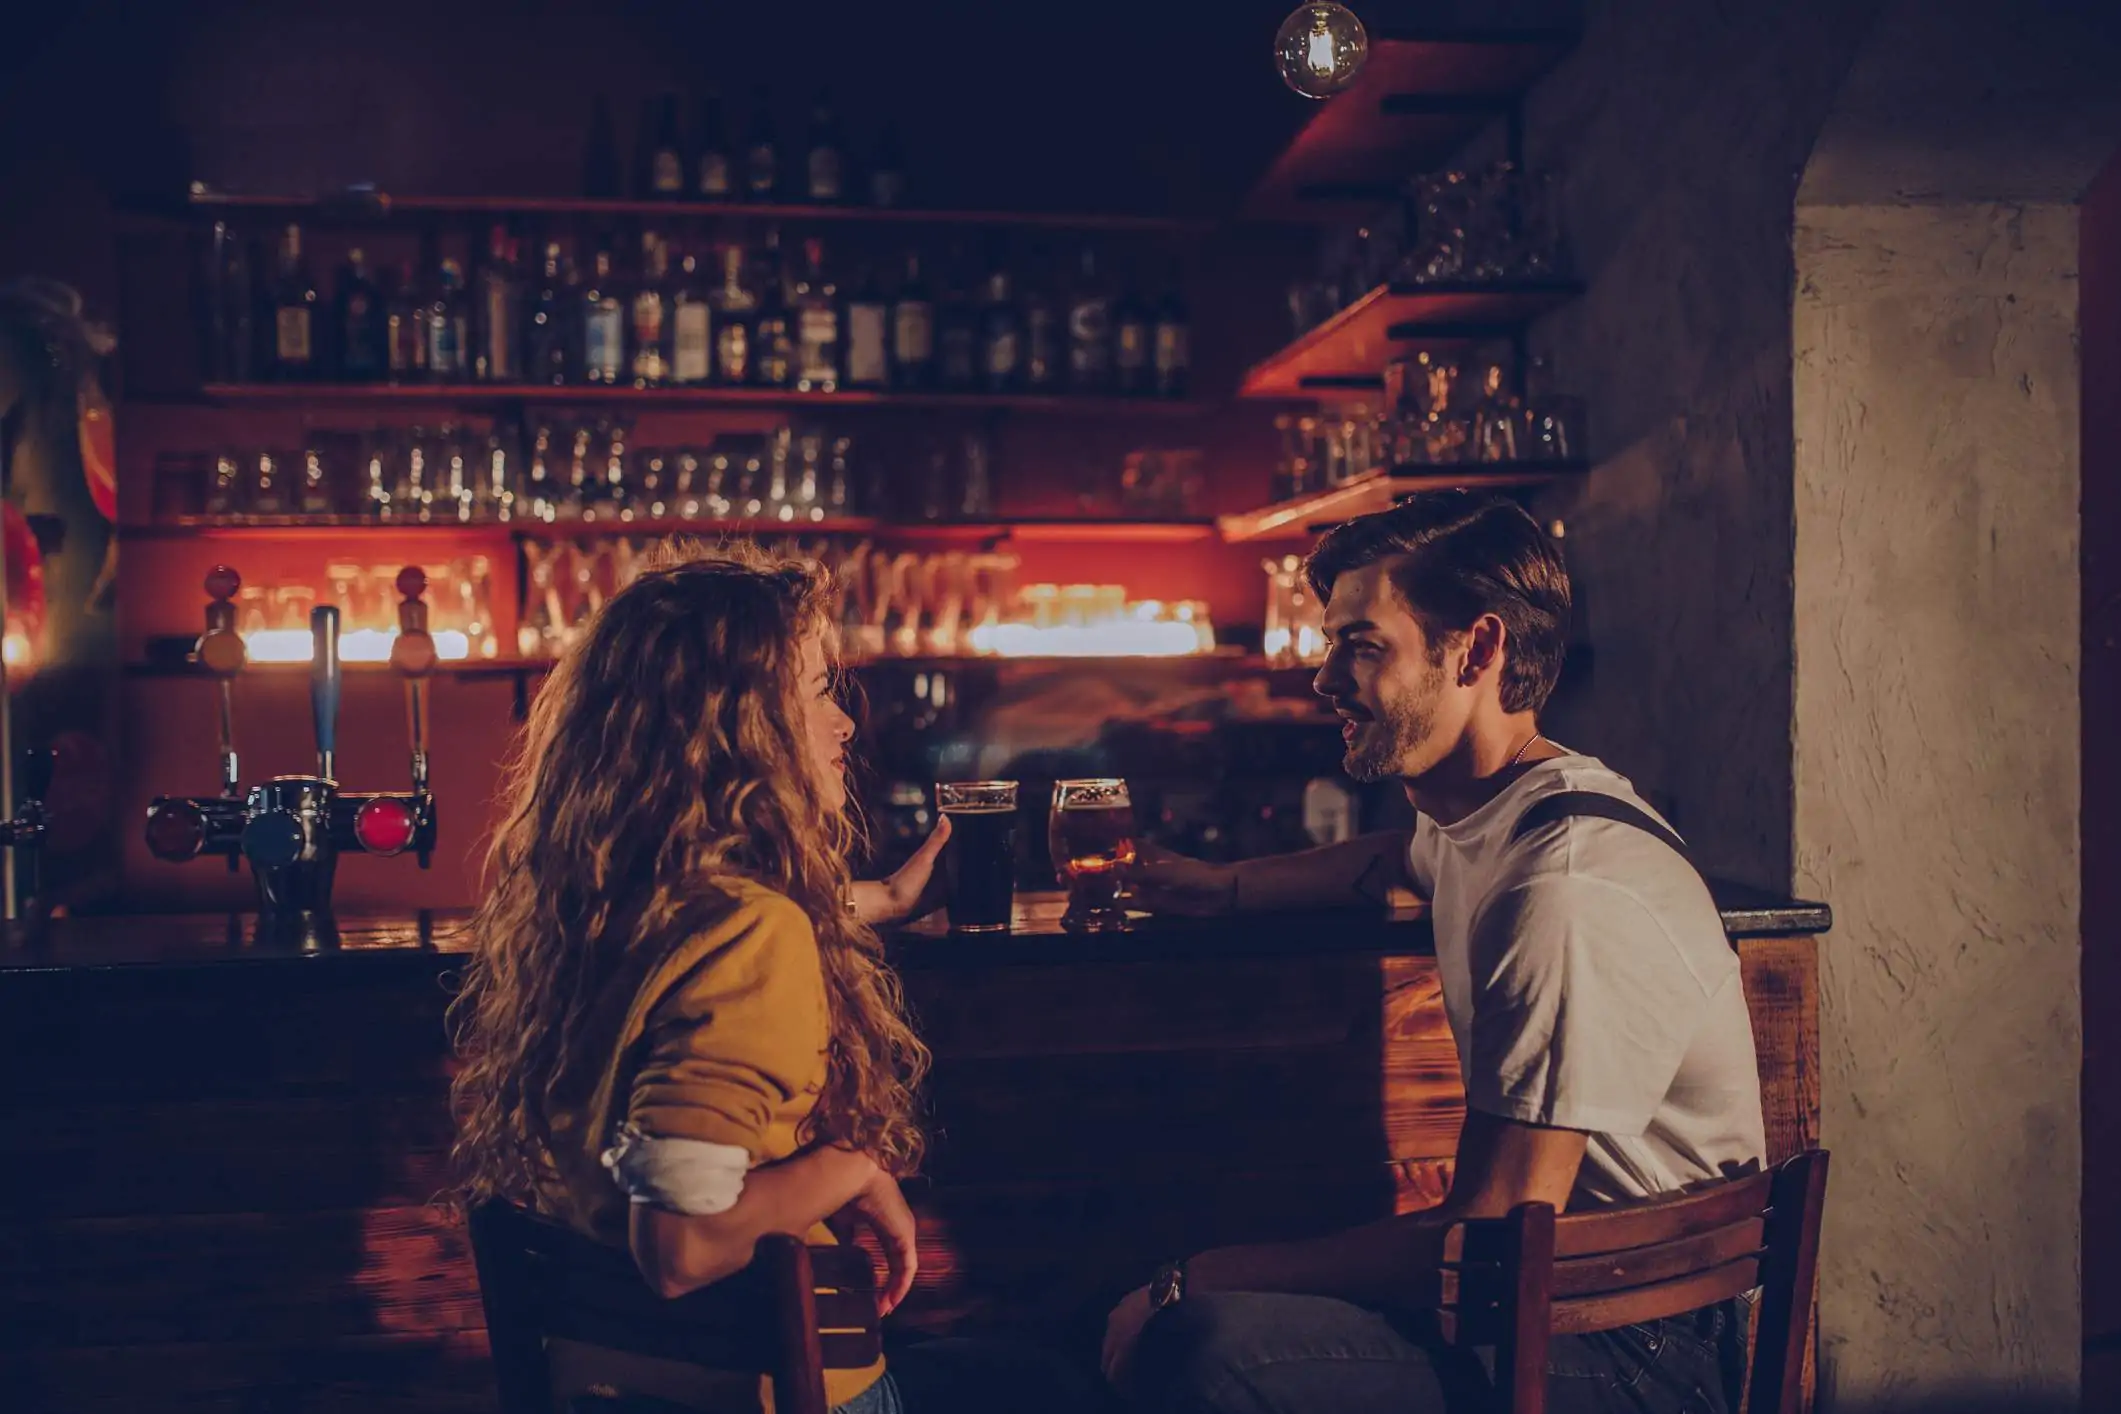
664	760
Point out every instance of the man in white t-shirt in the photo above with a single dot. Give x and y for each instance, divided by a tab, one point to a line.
1601	1026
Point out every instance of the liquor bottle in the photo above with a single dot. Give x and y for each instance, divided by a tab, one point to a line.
499	356
227	333
1044	356
957	325
735	311
826	169
448	326
295	345
360	323
762	162
773	333
913	331
600	155
1089	331
552	342
648	322
405	330
691	327
714	177
887	170
1171	343
664	153
603	325
817	324
1001	337
1131	322
868	335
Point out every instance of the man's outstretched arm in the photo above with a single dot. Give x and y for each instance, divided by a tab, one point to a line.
1363	871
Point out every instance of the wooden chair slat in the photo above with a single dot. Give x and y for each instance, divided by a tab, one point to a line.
1480	1282
1626	1225
846	1311
1663	1261
1637	1305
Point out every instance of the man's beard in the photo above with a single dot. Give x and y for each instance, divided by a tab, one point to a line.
1384	742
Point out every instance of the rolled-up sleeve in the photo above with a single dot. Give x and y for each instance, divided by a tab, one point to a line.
739	1035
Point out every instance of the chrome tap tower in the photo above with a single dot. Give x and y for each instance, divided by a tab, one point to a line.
292	829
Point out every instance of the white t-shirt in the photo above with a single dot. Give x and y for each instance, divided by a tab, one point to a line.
1589	985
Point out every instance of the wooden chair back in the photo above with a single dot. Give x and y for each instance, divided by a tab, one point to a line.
1514	1282
794	1313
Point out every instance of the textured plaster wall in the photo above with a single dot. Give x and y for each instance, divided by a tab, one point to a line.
1936	554
1681	129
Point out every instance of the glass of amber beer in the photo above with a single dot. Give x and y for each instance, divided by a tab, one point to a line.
1092	837
979	863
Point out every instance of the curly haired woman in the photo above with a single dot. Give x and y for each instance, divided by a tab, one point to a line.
678	1033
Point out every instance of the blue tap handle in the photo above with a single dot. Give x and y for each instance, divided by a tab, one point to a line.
324	676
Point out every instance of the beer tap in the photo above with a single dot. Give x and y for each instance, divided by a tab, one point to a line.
292	829
25	829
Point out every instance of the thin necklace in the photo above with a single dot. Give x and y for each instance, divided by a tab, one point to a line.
1523	749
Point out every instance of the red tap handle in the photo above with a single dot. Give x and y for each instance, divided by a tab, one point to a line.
413	655
220	648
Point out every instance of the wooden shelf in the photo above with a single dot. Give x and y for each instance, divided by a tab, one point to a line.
363	206
490	394
1348	352
1378	491
308	528
460	668
1033	529
1417	101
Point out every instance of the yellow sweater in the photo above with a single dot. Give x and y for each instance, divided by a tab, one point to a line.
722	1040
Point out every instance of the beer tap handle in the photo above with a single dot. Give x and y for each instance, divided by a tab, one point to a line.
324	678
220	652
414	657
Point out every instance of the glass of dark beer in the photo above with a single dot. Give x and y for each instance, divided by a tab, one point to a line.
979	863
1092	837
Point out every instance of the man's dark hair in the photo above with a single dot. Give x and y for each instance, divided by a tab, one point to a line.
1462	554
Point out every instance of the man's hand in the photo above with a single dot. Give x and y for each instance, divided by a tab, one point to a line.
1163	882
882	1209
1123	1329
915	891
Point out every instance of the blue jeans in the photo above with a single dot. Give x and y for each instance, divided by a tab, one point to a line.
1249	1353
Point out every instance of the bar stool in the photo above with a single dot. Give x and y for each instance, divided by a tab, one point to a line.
794	1313
1514	1282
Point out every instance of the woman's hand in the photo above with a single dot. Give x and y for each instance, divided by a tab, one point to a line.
882	1209
915	891
1123	1330
1163	882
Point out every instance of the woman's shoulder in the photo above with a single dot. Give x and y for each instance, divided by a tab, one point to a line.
743	927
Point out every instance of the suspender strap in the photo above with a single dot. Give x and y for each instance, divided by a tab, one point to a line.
1576	804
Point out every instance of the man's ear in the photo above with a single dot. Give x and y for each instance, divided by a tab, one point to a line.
1483	648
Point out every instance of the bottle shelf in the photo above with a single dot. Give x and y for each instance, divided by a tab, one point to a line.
1222	658
1346	353
1381	490
364	206
1417	100
1033	529
491	394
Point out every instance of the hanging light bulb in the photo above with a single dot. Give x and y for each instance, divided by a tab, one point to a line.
1320	48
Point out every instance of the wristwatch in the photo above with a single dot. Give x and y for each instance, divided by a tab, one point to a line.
1168	1287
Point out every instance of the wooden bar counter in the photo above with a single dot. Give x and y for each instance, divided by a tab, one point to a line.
221	1162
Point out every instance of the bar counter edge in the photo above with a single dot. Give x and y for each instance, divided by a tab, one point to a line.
185	941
